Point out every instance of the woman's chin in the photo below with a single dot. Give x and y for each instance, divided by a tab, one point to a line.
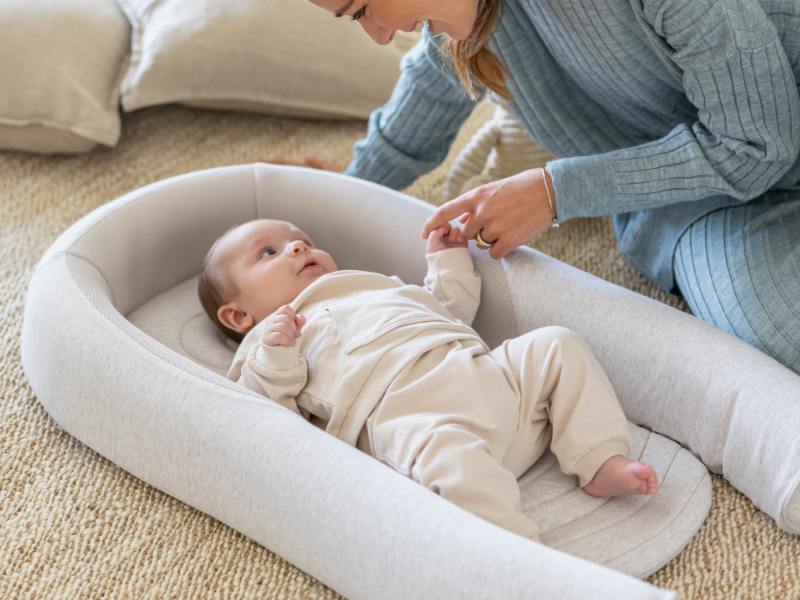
437	27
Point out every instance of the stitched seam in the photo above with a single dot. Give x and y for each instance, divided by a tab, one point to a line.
626	517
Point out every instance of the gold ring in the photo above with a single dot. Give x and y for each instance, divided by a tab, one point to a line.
482	243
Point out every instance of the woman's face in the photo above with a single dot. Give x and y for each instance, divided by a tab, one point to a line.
381	18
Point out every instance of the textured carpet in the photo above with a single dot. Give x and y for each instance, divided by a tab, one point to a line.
74	525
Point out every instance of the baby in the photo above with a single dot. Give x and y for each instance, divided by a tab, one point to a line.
395	370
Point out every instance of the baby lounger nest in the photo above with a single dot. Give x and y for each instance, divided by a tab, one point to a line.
117	349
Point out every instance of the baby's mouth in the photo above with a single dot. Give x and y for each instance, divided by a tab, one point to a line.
310	263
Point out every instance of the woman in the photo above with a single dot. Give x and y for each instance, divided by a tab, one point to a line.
680	118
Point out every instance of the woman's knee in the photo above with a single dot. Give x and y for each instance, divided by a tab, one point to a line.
739	269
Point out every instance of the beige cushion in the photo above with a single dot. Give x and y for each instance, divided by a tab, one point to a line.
282	57
60	67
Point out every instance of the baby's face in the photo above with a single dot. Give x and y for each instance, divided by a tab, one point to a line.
270	263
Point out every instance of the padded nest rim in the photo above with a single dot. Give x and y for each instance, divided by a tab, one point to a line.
93	268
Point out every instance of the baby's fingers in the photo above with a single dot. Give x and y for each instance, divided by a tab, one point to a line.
285	310
278	338
289	329
437	232
456	236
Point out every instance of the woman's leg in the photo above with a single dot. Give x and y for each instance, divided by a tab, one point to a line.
739	268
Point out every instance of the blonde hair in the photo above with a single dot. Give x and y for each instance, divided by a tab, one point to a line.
214	290
472	59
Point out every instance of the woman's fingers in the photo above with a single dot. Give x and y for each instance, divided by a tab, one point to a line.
307	162
485	225
500	249
317	164
506	213
447	211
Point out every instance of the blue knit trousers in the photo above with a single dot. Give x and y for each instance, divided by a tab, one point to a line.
739	269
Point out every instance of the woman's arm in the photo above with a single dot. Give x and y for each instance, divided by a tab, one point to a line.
747	133
412	132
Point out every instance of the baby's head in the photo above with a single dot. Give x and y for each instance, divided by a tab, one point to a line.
254	269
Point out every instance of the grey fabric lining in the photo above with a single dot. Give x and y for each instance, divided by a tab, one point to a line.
601	516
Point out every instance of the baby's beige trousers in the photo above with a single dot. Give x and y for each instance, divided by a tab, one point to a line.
466	423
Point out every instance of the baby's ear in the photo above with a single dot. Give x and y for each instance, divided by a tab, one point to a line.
233	317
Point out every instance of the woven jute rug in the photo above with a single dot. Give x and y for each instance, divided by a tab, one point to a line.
74	525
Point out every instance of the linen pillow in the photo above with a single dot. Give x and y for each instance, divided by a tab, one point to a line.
61	65
284	57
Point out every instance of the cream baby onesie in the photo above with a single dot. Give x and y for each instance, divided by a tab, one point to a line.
395	370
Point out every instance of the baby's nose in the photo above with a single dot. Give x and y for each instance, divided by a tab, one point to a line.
298	246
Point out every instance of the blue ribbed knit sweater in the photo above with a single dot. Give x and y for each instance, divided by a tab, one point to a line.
659	111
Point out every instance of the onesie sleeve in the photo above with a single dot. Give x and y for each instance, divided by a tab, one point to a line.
746	135
412	133
280	372
453	281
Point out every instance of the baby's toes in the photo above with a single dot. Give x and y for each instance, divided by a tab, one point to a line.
643	471
648	478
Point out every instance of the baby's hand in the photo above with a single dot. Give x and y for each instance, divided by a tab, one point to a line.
445	236
282	327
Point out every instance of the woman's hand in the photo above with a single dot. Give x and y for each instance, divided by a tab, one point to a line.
509	212
445	236
307	162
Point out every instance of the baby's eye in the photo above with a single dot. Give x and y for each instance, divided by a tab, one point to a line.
268	251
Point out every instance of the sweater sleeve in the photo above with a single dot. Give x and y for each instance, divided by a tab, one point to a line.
747	132
280	372
412	133
454	282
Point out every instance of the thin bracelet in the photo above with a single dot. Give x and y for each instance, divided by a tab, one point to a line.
550	201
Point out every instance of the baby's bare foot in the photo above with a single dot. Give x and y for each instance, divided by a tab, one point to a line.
619	476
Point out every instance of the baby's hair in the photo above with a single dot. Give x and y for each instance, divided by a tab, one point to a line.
215	290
